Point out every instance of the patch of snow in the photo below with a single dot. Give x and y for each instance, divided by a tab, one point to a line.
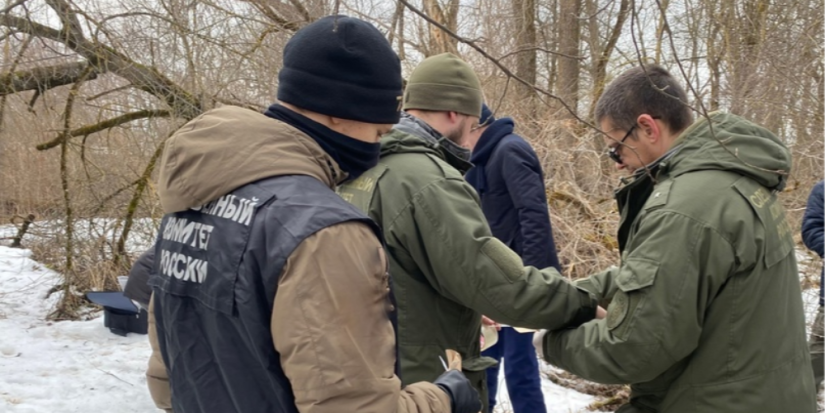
64	367
557	399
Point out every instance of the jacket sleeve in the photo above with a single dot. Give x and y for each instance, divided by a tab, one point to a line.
602	285
157	379
137	286
656	316
813	223
331	327
451	244
523	178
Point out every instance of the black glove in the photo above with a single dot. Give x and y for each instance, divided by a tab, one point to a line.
463	397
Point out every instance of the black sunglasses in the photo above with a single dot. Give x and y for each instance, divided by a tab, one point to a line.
613	152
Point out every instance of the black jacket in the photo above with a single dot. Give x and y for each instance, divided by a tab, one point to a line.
137	287
508	178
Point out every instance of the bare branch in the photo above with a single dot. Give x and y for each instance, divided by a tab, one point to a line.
106	59
110	91
540	49
107	198
29	27
71	24
106	124
44	78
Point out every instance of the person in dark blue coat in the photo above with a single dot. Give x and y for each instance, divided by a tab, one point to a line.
813	227
509	180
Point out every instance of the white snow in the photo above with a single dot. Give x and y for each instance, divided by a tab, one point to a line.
557	399
61	367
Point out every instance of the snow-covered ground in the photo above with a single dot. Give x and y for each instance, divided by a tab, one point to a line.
558	399
80	366
61	367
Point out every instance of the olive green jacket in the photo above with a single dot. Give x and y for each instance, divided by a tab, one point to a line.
446	267
705	309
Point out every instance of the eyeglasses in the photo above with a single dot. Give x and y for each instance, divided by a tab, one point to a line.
613	153
479	125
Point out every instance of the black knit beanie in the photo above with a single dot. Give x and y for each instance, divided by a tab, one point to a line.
343	67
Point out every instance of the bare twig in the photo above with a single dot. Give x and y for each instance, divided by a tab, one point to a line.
108	92
540	49
107	198
101	126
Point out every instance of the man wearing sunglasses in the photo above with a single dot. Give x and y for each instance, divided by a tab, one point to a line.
705	311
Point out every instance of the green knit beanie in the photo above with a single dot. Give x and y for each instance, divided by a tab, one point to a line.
444	83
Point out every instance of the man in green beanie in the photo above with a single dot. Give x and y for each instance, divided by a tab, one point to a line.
446	267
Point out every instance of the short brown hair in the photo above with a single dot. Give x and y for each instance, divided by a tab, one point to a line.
646	89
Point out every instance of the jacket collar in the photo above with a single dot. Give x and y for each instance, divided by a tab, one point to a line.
489	140
453	154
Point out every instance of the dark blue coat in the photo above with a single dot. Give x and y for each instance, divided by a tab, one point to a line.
813	226
508	178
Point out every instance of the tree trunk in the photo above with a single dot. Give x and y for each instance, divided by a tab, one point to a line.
525	23
439	41
568	68
660	31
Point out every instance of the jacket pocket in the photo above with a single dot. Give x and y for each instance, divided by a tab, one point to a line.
634	280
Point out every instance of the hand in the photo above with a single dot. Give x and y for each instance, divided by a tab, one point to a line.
487	321
600	313
463	397
538	342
